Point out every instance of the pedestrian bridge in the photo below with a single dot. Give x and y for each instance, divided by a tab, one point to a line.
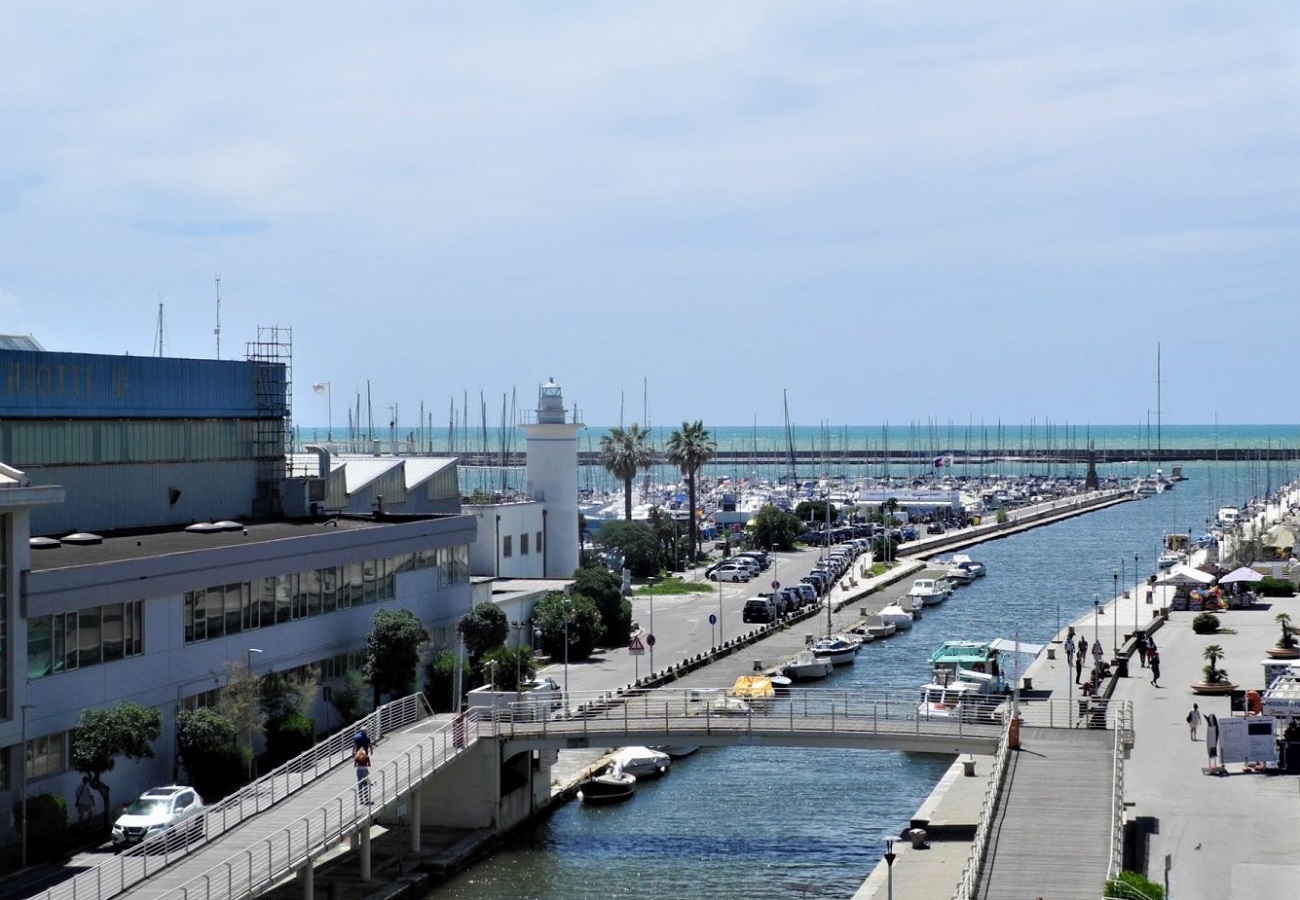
279	827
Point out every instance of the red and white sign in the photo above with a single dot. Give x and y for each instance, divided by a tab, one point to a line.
635	647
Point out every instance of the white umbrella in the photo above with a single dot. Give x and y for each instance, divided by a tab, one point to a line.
1245	573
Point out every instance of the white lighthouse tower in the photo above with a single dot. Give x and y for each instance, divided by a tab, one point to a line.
552	471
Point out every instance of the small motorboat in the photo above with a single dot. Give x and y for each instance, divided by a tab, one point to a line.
753	687
974	566
895	615
677	751
836	650
806	666
930	591
959	576
610	786
780	683
715	703
641	762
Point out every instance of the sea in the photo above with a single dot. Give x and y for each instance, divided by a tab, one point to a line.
771	822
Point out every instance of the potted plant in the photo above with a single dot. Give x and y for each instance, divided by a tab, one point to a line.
1287	647
1216	679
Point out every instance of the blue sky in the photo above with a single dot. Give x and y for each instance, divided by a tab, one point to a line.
896	211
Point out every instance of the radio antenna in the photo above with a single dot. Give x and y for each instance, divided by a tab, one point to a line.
217	330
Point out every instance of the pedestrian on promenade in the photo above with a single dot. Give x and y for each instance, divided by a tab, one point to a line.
1194	719
1142	650
1078	666
360	741
361	762
1154	659
85	801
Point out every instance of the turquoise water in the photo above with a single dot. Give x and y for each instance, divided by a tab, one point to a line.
758	823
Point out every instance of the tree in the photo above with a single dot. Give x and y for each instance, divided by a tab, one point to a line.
350	698
689	448
285	700
819	512
127	729
775	529
393	652
211	751
440	680
511	667
1213	675
605	589
240	702
623	454
483	628
635	541
585	626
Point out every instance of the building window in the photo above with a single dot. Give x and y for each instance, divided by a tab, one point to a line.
507	546
47	755
523	544
88	637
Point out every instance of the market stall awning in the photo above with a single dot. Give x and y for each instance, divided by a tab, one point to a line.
1280	538
1245	573
1186	576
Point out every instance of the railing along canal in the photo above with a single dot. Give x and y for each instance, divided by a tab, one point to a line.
149	857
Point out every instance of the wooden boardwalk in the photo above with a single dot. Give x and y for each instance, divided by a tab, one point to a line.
1051	833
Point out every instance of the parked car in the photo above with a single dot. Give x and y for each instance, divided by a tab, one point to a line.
759	609
156	810
807	593
731	572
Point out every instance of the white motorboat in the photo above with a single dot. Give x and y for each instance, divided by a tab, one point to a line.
959	576
806	666
715	703
839	651
641	761
975	567
930	591
895	615
955	700
609	787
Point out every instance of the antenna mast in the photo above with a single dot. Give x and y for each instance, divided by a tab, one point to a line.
217	330
158	344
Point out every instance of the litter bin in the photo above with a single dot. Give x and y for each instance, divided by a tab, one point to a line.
1121	666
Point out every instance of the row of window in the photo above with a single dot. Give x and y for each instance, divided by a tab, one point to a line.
508	544
233	608
54	443
86	637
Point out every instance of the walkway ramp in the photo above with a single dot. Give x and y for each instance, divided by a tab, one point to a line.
1052	830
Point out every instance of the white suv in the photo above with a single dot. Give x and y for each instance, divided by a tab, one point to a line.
157	809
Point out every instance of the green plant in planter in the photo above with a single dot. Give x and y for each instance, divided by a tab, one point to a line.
1287	641
1205	623
1213	674
1292	733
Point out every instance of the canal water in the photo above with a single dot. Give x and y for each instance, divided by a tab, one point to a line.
772	822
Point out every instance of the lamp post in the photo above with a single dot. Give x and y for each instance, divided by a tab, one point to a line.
1096	613
1114	620
248	671
1135	593
23	762
720	637
520	628
650	585
890	856
567	610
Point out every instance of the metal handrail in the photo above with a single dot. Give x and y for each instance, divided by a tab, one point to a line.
150	856
1124	734
970	876
298	843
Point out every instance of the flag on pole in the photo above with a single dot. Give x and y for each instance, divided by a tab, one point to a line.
941	461
321	387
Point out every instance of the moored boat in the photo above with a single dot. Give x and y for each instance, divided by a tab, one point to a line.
610	786
837	650
895	615
806	666
930	591
641	762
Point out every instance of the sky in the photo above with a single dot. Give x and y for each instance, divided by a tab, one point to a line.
873	212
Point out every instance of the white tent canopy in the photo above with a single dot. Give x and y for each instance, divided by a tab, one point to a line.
1245	573
1187	576
1004	645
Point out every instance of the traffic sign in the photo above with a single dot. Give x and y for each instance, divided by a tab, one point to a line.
713	620
635	647
650	640
776	585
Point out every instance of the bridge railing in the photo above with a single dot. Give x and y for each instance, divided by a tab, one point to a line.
668	711
286	850
1124	736
150	856
970	877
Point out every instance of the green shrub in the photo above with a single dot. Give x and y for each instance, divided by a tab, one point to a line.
1275	587
1134	886
1206	623
288	737
48	815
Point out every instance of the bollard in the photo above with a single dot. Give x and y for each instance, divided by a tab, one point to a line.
968	767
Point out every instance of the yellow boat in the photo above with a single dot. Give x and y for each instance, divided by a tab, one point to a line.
753	687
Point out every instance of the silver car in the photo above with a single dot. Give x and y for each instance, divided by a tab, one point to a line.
155	811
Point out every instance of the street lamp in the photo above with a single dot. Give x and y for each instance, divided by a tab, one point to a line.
890	856
248	671
520	628
566	652
1114	621
1135	593
1096	613
720	637
650	586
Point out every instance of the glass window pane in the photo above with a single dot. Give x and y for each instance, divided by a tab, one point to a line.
215	606
265	601
234	594
68	625
329	585
113	631
283	599
89	638
40	647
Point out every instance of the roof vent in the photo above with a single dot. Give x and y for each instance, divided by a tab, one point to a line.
228	525
202	528
83	539
44	543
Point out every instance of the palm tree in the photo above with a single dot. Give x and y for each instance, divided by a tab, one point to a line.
689	448
1213	675
623	454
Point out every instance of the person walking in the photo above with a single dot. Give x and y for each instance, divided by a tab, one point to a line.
1142	651
85	801
361	762
1154	666
1078	666
1194	719
360	741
